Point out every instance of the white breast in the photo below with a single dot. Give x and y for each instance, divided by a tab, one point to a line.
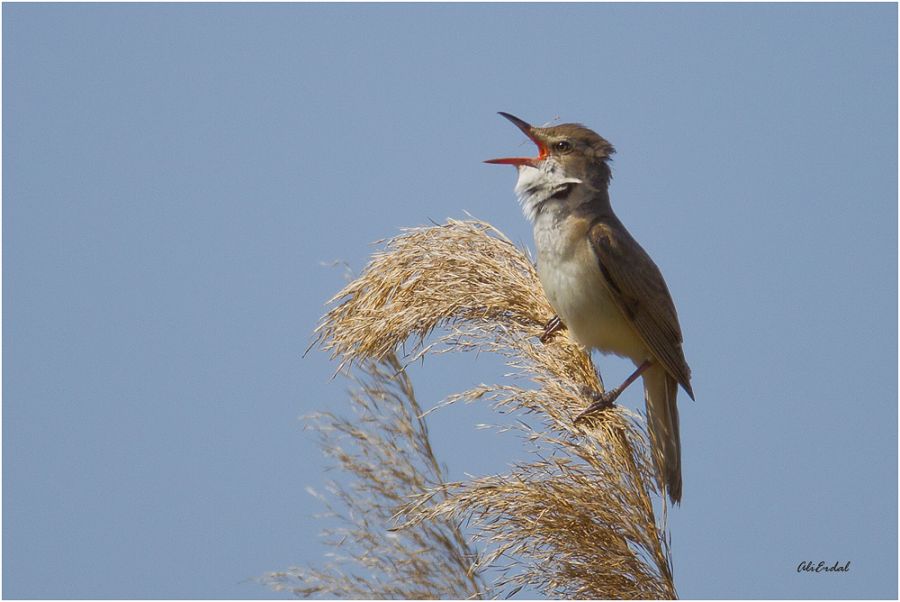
574	284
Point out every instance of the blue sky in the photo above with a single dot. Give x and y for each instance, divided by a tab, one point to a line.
176	175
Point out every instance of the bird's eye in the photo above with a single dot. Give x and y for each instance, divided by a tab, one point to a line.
563	146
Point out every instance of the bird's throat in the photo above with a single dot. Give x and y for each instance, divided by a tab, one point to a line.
537	187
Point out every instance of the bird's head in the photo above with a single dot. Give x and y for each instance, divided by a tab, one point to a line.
579	151
570	156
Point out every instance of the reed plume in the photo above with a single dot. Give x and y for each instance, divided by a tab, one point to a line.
385	451
583	518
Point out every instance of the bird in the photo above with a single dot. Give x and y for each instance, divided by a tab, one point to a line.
603	286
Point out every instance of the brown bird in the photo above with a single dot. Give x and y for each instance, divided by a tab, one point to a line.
603	286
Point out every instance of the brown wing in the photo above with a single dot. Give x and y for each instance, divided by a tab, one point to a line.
641	293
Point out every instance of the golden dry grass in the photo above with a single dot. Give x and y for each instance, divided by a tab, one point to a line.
385	450
578	519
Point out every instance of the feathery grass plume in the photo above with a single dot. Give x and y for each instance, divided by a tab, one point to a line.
389	459
578	520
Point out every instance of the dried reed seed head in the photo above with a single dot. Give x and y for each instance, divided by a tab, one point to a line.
580	521
464	275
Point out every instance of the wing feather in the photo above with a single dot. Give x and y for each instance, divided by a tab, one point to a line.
641	293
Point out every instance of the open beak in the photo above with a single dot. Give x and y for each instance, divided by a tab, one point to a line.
528	131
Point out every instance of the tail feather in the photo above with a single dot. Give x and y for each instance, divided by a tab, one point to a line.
660	391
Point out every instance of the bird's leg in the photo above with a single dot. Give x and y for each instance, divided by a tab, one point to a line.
553	324
605	400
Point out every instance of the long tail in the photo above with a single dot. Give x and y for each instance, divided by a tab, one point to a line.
660	391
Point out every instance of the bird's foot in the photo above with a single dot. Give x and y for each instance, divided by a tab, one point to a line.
553	325
601	402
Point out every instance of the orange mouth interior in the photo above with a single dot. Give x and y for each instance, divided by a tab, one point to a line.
517	161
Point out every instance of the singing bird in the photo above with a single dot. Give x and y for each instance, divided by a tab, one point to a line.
603	286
